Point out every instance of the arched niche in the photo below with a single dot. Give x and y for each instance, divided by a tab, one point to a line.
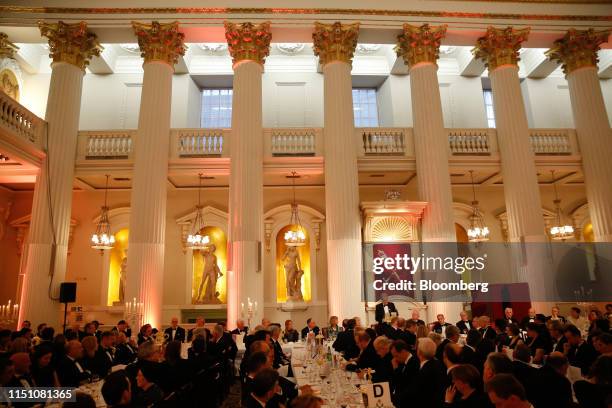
214	219
119	219
275	222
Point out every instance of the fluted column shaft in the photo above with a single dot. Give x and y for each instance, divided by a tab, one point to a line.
148	199
595	140
521	191
341	194
433	176
246	191
47	248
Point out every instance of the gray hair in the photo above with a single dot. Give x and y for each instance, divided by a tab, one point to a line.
274	329
426	347
382	341
146	350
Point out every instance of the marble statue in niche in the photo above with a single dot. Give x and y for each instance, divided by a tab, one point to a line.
211	273
293	270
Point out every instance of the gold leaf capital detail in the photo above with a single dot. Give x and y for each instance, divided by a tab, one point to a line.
578	49
7	48
500	46
420	43
70	43
335	42
248	41
160	41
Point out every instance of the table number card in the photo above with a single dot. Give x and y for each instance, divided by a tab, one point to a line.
379	395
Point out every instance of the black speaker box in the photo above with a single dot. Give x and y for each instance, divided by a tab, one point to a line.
68	292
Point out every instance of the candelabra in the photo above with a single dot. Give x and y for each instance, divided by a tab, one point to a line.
250	311
133	314
9	314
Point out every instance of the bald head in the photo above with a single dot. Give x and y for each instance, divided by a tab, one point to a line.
74	349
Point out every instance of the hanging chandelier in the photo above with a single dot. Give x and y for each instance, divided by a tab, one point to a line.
102	239
196	240
478	231
559	231
295	236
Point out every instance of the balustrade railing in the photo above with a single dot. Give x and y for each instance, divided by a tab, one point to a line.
551	141
111	144
199	142
383	141
20	121
470	141
293	142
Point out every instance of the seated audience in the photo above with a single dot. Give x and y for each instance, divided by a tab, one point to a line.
496	363
514	336
70	371
43	372
331	331
405	369
538	342
147	392
383	371
263	388
554	315
505	391
21	371
552	376
579	352
429	385
125	353
596	390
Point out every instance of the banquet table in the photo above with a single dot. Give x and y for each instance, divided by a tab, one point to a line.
339	388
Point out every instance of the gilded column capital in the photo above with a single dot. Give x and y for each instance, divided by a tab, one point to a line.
248	41
160	41
420	43
335	42
7	48
577	49
500	46
70	43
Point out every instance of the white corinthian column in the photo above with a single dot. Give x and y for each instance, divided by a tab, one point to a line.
71	46
160	46
249	44
419	47
334	44
499	48
577	51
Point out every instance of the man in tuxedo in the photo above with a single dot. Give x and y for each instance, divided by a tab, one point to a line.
440	325
345	342
105	355
240	328
464	324
384	309
125	353
69	370
530	318
469	354
222	344
384	368
578	352
122	327
279	356
117	390
174	332
508	316
428	387
391	330
367	357
551	386
311	327
496	363
555	315
523	371
487	332
555	329
451	357
405	369
452	336
415	317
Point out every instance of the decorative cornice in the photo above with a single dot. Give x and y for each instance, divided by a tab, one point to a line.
315	11
420	43
160	41
335	42
248	41
500	46
578	49
70	43
7	48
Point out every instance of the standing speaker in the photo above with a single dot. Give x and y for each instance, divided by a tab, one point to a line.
68	292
